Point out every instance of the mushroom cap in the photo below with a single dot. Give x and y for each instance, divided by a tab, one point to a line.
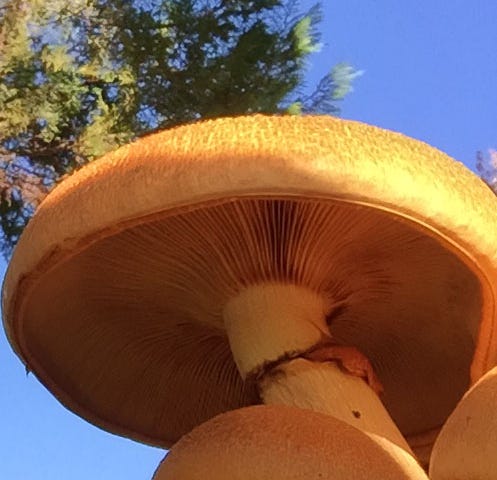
114	297
284	443
466	447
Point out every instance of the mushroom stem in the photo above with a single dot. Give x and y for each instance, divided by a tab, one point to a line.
326	388
293	323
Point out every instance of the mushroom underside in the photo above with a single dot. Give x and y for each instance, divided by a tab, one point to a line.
128	332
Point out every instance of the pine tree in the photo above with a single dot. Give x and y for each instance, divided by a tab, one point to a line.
81	77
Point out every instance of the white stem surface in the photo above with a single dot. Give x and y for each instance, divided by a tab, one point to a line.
267	321
326	388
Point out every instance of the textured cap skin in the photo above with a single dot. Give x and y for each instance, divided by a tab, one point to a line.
257	155
284	443
466	448
178	171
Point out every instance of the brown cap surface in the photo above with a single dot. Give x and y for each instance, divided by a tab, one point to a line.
466	448
284	443
115	294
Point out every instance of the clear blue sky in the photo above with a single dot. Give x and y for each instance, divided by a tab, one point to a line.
430	71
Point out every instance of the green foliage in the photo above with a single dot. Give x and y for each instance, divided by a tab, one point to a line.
80	77
304	43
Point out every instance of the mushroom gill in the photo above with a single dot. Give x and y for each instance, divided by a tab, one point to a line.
135	340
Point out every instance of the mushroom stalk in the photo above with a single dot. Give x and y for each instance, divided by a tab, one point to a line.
270	328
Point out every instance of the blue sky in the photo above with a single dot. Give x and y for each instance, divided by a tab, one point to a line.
430	71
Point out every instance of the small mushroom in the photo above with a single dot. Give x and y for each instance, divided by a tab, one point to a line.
299	260
284	443
466	448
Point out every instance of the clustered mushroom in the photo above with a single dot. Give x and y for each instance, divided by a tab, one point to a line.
467	444
278	442
340	274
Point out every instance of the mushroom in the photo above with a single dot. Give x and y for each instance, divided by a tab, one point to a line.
466	448
284	443
293	260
